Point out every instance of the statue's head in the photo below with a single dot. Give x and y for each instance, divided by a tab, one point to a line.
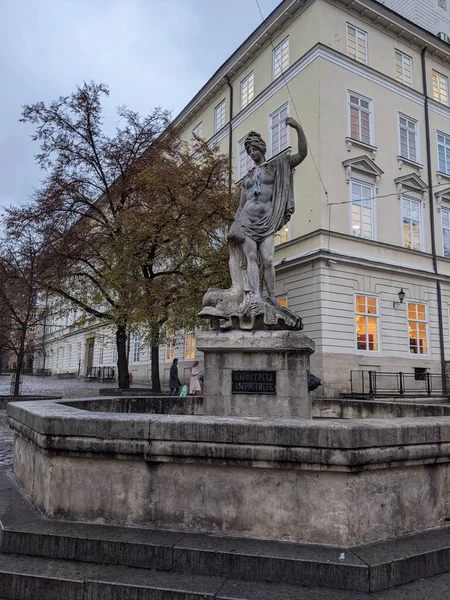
255	147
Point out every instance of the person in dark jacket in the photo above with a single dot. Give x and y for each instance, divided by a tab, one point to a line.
174	381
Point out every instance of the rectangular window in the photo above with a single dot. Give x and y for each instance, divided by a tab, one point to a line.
100	353
283	302
198	130
247	89
219	116
360	117
417	328
189	346
411	223
136	347
408	138
170	345
403	68
362	209
114	353
282	235
445	219
366	314
278	130
440	87
245	162
443	149
356	43
280	58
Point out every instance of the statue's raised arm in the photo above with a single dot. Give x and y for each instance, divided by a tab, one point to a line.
302	145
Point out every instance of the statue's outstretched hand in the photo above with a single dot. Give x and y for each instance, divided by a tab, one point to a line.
291	122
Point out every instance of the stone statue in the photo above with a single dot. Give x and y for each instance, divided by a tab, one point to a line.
266	205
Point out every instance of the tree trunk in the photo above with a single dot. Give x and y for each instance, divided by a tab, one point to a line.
156	382
122	362
20	361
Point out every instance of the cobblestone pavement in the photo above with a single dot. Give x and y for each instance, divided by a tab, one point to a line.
68	388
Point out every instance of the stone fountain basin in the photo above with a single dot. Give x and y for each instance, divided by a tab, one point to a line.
340	482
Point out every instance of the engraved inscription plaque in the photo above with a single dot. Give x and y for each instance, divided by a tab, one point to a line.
254	382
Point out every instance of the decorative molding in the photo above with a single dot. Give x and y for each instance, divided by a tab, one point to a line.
442	195
352	142
401	160
411	183
362	164
442	177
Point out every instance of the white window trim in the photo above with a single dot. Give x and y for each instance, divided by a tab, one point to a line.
358	29
421	225
355	141
240	90
444	208
269	126
273	59
238	165
288	227
412	354
187	333
403	54
438	132
378	316
216	129
198	126
448	89
374	220
404	158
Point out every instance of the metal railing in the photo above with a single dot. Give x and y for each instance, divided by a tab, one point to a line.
373	384
102	373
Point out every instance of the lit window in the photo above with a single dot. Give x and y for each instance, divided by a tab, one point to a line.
366	314
282	235
403	68
280	58
356	43
445	219
219	116
411	223
245	163
408	137
440	87
362	209
360	117
443	149
170	345
282	302
136	347
247	89
417	328
278	130
189	346
198	130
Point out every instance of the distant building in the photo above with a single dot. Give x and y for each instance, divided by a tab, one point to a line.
365	260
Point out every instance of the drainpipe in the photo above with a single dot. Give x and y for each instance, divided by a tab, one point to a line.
230	137
432	225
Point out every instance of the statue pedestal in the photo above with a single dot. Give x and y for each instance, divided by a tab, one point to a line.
256	373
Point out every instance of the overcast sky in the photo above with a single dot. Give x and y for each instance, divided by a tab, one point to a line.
150	52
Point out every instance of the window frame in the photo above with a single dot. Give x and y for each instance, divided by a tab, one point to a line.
241	149
216	109
198	126
187	335
272	154
370	111
417	138
372	186
427	329
410	198
447	136
403	55
274	64
283	238
445	78
445	209
367	315
241	91
366	44
136	347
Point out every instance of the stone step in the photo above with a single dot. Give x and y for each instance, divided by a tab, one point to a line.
372	567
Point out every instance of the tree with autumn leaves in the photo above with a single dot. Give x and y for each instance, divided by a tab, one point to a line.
133	222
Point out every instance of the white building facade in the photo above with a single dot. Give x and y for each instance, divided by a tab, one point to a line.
365	259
